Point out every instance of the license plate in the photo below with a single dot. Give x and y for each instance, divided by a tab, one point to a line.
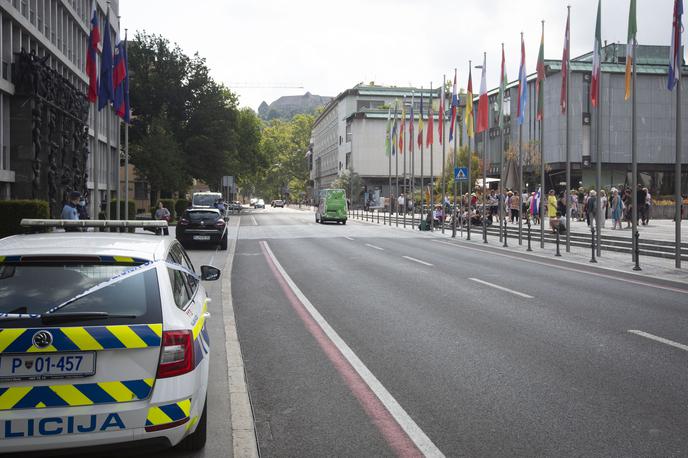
47	365
201	237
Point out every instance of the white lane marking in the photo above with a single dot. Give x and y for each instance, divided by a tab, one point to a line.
658	339
374	247
518	293
412	430
569	269
417	260
348	238
255	222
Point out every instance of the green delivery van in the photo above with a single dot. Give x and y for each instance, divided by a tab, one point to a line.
331	206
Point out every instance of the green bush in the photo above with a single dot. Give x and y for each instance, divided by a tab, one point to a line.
169	204
113	209
13	211
180	206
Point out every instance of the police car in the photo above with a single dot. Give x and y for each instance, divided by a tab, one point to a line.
103	341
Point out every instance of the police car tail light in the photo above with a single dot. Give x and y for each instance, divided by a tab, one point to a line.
177	354
220	223
184	222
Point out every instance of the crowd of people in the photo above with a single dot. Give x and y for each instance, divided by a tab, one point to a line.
616	205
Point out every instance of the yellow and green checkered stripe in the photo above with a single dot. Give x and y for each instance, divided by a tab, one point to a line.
168	413
78	394
82	338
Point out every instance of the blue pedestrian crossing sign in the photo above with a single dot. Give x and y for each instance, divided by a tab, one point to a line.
461	173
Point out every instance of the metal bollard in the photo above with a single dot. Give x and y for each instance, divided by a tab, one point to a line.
505	234
558	253
484	227
637	251
592	231
529	248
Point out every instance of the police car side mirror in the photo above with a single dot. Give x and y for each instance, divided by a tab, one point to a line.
210	273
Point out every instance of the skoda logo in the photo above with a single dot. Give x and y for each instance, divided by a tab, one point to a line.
42	339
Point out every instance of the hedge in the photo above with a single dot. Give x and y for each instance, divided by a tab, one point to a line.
169	204
113	209
181	206
13	211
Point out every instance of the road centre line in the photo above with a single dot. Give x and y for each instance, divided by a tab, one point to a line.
417	260
374	247
518	293
569	269
658	339
402	434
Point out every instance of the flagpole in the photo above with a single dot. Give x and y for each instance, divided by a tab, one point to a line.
396	176
568	136
543	194
460	132
677	184
634	162
403	139
126	142
444	140
95	199
520	165
389	176
431	126
598	175
486	138
470	157
500	198
118	210
413	164
456	160
422	174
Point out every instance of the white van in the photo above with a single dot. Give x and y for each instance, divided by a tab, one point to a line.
205	199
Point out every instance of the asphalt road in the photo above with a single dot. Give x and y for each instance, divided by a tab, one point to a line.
472	352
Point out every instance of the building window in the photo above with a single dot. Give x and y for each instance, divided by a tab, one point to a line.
348	131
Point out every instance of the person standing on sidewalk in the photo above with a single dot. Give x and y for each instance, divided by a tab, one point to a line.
604	202
591	208
551	204
617	209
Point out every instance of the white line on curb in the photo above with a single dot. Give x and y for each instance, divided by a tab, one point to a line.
348	238
243	433
417	260
412	430
374	247
659	339
501	288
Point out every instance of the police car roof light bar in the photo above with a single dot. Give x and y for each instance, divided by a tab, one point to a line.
27	222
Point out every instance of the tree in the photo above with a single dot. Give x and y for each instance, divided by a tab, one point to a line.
159	159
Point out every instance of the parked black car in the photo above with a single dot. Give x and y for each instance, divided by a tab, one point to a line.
202	225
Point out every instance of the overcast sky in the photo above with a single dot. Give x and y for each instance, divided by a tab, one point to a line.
329	46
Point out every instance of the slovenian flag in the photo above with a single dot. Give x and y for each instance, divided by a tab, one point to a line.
91	56
431	126
565	65
469	106
105	91
596	56
119	73
675	55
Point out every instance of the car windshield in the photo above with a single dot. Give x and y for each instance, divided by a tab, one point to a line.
205	200
202	216
135	295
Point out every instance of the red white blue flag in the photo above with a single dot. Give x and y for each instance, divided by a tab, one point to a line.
119	73
454	107
522	85
675	55
91	56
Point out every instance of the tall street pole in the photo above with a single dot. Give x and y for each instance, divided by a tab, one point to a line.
396	176
500	198
543	194
677	178
634	161
413	166
422	172
598	176
568	143
431	126
444	140
471	185
486	138
405	149
456	164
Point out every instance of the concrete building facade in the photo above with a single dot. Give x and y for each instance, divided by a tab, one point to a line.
656	124
54	32
350	135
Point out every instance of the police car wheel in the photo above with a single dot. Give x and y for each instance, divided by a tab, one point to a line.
196	441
